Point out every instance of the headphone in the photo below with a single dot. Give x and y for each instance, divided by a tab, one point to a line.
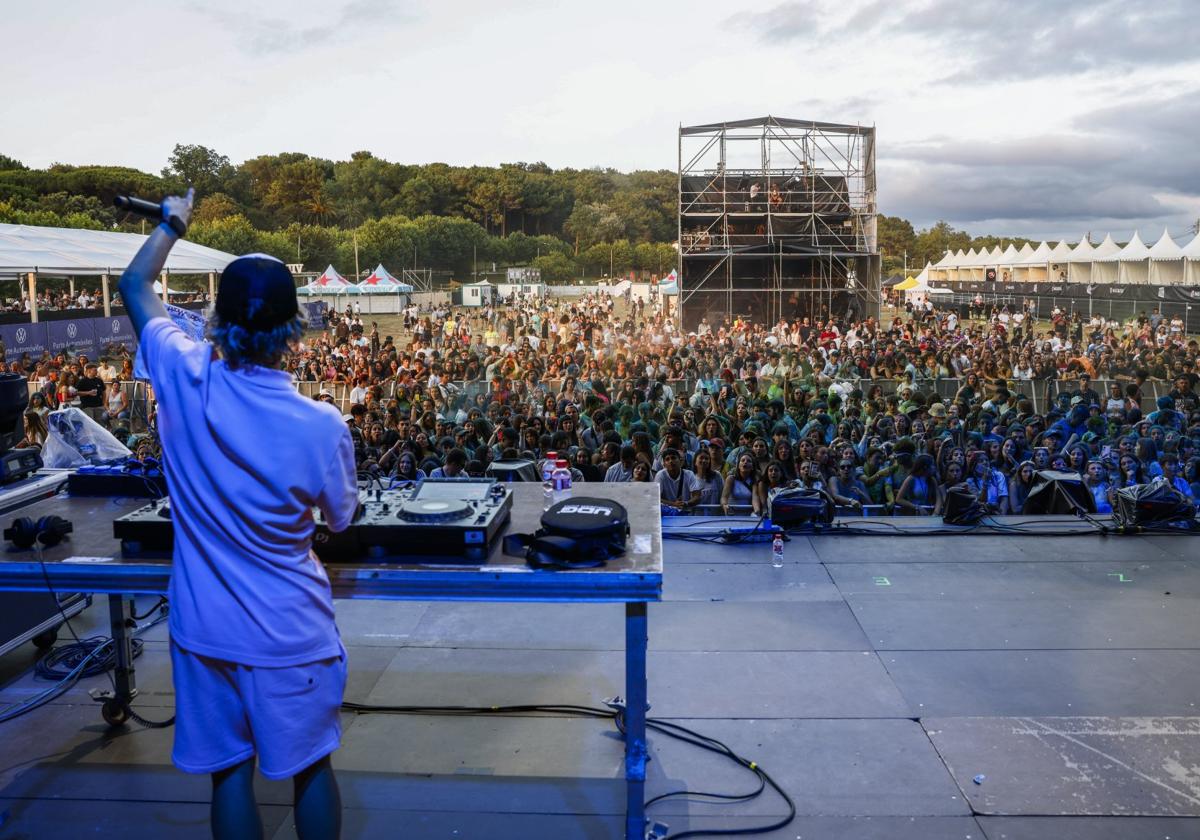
49	531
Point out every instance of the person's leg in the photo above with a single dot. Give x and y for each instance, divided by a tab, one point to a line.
234	812
318	803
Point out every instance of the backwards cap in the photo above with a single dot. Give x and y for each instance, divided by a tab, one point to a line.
257	291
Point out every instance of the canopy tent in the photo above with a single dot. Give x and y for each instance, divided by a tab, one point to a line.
669	285
1079	263
1191	262
69	252
1031	267
1132	262
381	282
1104	271
1166	262
910	283
329	284
1059	259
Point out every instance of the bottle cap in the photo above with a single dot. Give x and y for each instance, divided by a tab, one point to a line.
560	463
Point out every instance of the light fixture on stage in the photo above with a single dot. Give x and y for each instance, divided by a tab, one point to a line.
1058	492
518	469
792	507
14	397
1154	504
962	506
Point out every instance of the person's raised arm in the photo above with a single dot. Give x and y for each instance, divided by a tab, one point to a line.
137	283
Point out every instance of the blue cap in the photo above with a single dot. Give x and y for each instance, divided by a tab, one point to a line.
257	291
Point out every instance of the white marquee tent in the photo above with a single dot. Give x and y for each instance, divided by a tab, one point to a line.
28	252
1166	262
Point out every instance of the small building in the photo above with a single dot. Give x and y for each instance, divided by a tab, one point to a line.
474	294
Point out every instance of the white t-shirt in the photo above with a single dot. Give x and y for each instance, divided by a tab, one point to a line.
676	489
247	458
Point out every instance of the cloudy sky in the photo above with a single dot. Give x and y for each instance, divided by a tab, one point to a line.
1045	118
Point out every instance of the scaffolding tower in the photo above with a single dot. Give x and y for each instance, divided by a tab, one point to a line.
777	219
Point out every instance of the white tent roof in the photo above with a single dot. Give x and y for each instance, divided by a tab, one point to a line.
1134	251
1083	252
1061	252
1107	248
330	280
1023	255
1166	248
1192	250
996	256
1035	256
1010	255
972	258
944	262
381	281
69	251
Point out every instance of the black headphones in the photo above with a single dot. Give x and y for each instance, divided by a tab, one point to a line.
49	531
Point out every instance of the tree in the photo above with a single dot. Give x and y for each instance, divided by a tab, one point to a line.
933	243
233	234
555	267
592	223
7	162
215	206
200	167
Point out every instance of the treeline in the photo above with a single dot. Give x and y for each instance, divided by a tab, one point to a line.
897	238
568	222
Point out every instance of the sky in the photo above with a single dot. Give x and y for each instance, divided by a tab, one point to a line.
1046	119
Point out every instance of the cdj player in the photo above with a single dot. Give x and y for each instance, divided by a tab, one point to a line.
436	520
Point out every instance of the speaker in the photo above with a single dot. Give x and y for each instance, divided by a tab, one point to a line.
990	275
515	470
1156	503
792	506
962	506
1058	492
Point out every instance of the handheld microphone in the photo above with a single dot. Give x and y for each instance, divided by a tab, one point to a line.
150	210
140	206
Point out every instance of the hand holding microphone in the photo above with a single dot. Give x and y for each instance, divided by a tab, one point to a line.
175	211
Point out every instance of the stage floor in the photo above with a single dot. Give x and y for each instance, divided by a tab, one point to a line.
875	677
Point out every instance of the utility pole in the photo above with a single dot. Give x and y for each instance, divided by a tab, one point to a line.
356	277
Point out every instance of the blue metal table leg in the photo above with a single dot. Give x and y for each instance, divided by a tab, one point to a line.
636	636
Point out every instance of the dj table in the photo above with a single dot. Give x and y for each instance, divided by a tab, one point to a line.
90	561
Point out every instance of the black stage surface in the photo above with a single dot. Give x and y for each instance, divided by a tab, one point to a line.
875	677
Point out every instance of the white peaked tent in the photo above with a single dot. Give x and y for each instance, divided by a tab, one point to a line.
382	292
1104	261
381	282
1079	264
1133	262
1191	262
1060	257
330	283
1032	265
1010	257
1166	262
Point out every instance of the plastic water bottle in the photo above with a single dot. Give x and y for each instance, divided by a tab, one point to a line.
547	494
560	480
777	551
548	464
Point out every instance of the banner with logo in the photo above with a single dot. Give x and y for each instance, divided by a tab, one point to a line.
74	337
113	333
23	338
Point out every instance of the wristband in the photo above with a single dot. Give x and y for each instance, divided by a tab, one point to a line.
175	225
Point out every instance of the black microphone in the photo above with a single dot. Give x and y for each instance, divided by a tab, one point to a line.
149	209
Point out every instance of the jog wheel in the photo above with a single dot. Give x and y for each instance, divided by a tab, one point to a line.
432	510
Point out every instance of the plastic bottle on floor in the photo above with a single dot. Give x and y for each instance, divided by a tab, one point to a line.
777	551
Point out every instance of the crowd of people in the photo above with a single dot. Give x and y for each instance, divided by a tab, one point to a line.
723	416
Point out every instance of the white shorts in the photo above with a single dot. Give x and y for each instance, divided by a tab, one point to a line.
225	713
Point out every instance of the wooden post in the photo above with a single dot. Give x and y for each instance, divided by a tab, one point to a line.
33	296
163	280
212	286
106	296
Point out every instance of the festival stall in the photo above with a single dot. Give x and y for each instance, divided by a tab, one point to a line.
330	287
380	292
1165	267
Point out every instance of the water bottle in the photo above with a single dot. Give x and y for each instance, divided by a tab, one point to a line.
560	480
548	465
547	494
777	551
